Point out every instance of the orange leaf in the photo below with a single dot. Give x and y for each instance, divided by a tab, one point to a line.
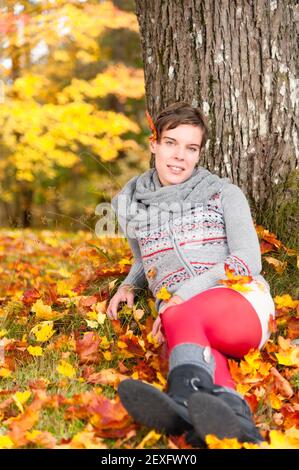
88	348
106	377
282	385
293	328
272	324
279	266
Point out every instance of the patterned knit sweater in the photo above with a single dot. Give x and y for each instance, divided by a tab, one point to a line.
187	254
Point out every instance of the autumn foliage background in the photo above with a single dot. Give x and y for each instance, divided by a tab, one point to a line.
73	132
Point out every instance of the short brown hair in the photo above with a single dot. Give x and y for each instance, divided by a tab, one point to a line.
176	114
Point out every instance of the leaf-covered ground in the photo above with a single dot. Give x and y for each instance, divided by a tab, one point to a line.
61	359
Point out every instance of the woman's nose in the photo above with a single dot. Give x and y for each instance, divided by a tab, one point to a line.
180	153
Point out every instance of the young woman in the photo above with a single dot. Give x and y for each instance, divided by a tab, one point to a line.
185	225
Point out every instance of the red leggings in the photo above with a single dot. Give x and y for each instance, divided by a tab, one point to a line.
220	318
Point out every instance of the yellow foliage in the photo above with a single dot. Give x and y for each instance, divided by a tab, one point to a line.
35	350
163	294
149	440
6	442
66	369
20	398
43	331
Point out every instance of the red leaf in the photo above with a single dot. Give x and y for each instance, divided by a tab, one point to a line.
88	348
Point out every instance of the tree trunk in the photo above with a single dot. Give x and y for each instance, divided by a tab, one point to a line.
236	60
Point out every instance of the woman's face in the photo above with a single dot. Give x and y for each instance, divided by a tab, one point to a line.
177	153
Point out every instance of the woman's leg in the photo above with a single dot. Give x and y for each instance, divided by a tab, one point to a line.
220	318
223	320
222	373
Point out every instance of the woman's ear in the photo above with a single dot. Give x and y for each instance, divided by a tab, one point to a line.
153	146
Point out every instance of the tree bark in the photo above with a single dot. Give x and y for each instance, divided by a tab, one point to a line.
237	60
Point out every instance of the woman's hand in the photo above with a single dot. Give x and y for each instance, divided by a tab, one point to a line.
174	300
124	294
157	325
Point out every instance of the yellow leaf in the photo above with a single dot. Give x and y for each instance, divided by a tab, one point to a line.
151	304
105	343
138	313
280	441
5	372
6	442
240	287
276	402
285	301
161	379
35	350
163	294
124	262
101	318
289	357
20	398
279	266
149	440
3	333
42	311
66	369
92	315
213	442
32	435
43	331
92	324
107	355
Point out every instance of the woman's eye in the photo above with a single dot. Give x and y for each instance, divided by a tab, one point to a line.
168	142
193	149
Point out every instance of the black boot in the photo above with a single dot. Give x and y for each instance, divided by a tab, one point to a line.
166	412
223	414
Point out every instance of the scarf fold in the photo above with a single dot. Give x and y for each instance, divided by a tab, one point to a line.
144	203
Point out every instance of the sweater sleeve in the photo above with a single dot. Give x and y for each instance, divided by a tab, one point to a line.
136	276
244	250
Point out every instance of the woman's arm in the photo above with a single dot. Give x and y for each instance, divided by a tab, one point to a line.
136	276
243	244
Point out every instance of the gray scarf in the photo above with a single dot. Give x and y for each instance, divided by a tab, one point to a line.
144	203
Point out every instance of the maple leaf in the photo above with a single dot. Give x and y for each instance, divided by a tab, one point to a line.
235	281
41	438
293	328
272	324
268	236
88	348
20	398
6	442
163	294
43	331
282	385
44	312
149	440
86	440
4	372
213	442
106	377
285	301
279	266
278	440
30	296
35	350
20	424
66	369
289	357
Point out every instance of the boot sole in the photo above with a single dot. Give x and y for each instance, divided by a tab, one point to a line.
211	415
151	407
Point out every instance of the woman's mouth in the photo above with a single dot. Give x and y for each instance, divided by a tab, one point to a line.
175	169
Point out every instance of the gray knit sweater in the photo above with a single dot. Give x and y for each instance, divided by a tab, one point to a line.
187	254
